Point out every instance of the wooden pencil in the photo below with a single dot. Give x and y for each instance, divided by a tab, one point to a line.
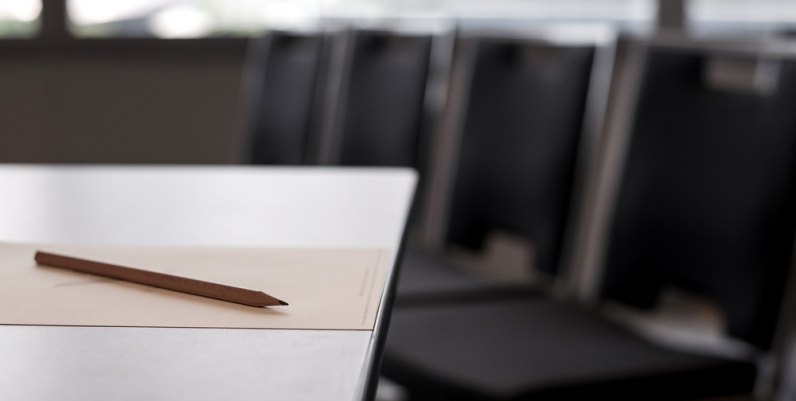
161	280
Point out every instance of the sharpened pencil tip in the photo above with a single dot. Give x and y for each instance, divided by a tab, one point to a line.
282	302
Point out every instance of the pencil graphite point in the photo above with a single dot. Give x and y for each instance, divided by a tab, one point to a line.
281	302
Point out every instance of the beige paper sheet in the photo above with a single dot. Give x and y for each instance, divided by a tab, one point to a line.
326	288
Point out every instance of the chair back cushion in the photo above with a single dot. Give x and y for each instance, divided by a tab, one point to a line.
519	144
707	200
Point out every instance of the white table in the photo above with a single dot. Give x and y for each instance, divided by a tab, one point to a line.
197	206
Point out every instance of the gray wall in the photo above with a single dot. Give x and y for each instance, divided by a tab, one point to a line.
104	105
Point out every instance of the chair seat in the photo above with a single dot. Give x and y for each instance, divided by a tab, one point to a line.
543	349
426	279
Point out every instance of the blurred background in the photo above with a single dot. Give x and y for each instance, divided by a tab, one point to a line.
174	101
607	202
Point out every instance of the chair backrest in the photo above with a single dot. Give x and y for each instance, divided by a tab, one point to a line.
380	111
707	200
520	141
285	69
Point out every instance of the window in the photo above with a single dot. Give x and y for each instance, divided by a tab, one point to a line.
225	18
741	16
19	18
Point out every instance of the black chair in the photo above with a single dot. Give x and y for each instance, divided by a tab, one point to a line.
520	143
708	202
383	117
705	203
284	76
377	108
377	115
